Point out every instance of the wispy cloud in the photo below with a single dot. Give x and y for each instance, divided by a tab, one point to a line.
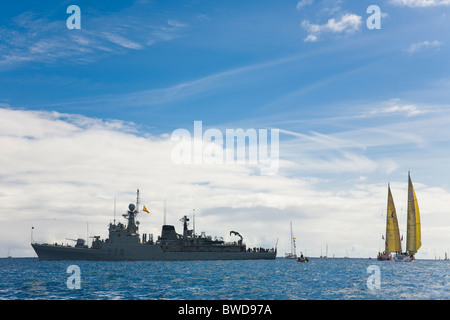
421	3
182	90
418	46
348	23
373	142
32	38
122	41
396	106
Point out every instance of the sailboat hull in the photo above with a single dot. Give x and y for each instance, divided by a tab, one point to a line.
384	257
403	258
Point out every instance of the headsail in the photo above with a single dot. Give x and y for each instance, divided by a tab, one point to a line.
413	241
392	243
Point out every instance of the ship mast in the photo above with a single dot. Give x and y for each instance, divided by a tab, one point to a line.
133	210
137	201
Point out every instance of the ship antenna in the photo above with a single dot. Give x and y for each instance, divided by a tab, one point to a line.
164	222
115	210
137	201
193	221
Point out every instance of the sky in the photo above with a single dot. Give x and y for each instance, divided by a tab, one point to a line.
87	116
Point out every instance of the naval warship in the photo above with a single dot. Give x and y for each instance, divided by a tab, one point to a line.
125	243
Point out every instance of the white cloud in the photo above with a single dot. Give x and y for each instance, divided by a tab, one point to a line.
59	171
396	106
415	47
310	38
348	23
421	3
303	3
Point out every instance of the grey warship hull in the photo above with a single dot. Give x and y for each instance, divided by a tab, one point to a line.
143	252
125	243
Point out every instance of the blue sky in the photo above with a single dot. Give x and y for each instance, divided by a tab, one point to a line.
356	108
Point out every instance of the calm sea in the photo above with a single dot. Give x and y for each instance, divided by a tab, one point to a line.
281	279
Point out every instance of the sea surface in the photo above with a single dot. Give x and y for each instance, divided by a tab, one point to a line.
280	279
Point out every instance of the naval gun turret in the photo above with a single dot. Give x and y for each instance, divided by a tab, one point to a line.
80	243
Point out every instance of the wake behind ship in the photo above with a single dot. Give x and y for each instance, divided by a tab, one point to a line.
125	243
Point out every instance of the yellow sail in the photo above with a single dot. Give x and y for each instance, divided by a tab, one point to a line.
414	240
392	243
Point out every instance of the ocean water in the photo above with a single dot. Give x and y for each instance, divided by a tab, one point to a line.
280	279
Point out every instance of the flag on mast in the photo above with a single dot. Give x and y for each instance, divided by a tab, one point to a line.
145	209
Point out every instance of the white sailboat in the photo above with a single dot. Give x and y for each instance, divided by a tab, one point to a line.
413	236
293	253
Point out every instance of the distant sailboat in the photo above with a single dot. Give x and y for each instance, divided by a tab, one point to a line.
392	241
413	236
326	252
293	253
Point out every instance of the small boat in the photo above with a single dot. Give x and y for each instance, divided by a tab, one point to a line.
302	258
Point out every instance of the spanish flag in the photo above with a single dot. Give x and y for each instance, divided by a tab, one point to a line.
145	209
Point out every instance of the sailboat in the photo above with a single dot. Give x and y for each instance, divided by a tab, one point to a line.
293	253
326	252
413	236
392	240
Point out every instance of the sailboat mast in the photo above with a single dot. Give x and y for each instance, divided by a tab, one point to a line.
292	240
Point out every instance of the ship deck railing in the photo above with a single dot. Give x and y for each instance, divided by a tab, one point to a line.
53	244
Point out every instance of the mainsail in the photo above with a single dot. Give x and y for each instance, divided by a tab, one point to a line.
392	243
414	240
